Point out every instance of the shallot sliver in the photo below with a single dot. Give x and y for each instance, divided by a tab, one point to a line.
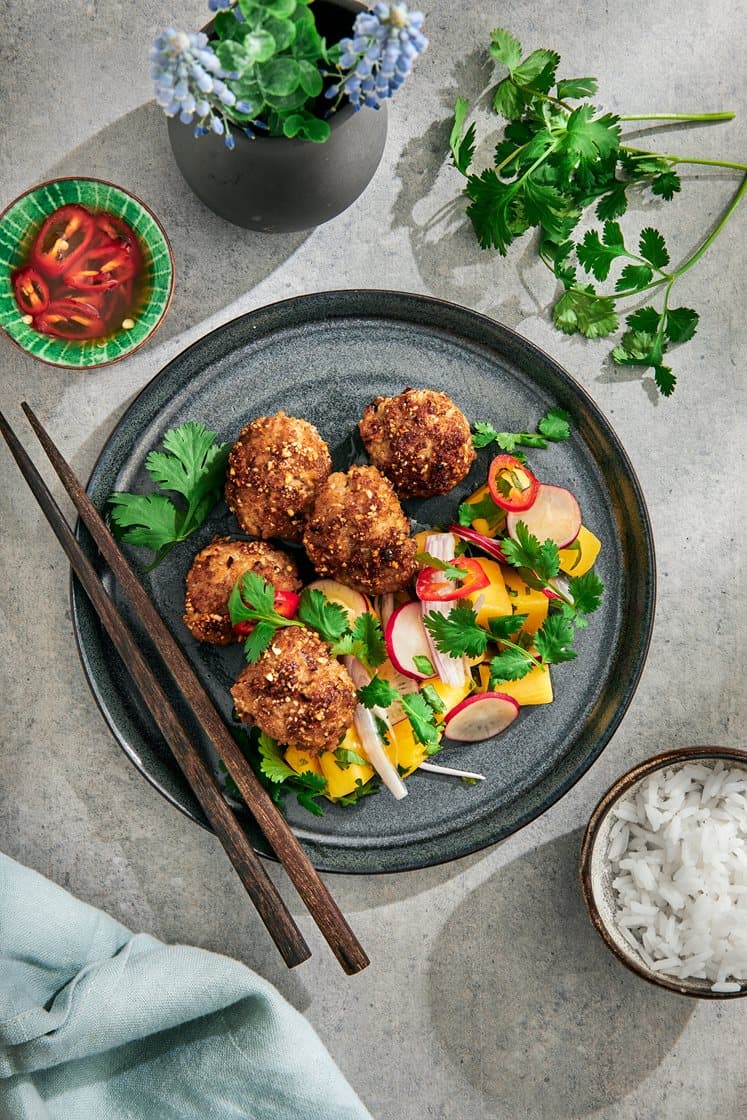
365	721
451	670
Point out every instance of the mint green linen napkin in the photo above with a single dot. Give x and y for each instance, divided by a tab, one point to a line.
99	1024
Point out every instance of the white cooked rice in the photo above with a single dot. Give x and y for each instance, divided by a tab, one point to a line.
678	852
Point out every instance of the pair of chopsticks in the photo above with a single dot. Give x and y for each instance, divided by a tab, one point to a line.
262	891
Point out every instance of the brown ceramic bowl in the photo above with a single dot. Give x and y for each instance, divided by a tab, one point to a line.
597	875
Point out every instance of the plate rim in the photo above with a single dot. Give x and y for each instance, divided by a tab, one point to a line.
323	856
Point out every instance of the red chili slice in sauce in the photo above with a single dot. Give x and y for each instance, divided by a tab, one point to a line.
62	238
101	267
512	485
71	319
32	290
432	585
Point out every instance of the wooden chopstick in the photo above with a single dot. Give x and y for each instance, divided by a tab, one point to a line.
299	868
264	894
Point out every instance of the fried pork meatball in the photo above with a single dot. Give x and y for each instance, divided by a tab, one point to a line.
296	692
420	440
274	470
211	578
358	533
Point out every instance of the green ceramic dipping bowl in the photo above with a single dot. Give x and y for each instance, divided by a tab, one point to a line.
19	224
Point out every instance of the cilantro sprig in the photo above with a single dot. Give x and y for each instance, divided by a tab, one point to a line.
554	427
252	599
448	571
556	160
192	467
265	756
379	693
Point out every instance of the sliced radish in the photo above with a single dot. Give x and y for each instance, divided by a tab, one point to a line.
352	601
488	545
406	639
555	515
481	717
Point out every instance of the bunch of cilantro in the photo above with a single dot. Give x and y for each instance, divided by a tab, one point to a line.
557	159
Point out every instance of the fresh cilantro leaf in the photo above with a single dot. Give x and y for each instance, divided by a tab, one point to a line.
510	665
546	206
638	348
424	665
666	185
597	255
633	277
378	693
527	552
506	626
681	324
586	138
485	508
505	48
147	520
555	425
462	146
508	101
315	610
483	434
494	211
457	633
344	758
586	592
553	640
576	87
537	70
421	717
258	641
273	765
251	595
645	319
613	203
191	466
652	247
365	641
665	380
581	310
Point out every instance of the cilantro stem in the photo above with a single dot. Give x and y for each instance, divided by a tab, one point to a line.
644	154
726	116
714	232
520	649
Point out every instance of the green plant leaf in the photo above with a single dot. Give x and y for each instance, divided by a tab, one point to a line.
665	380
258	46
576	87
581	310
652	247
635	276
280	8
283	31
279	77
505	48
311	79
681	324
540	64
508	100
462	147
232	56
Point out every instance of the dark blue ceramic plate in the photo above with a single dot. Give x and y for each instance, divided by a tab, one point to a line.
324	357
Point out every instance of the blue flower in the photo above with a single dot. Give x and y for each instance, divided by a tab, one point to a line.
189	81
379	56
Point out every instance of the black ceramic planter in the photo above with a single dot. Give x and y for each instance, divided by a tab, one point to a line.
277	185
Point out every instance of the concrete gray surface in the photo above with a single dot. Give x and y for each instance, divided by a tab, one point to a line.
489	996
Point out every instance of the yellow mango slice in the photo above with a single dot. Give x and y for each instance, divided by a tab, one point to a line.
343	780
301	761
410	753
494	599
450	694
534	688
525	600
577	560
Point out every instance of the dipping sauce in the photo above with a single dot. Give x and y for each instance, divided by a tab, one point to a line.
83	277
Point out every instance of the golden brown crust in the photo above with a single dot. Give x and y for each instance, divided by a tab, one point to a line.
274	470
211	578
358	533
296	692
420	440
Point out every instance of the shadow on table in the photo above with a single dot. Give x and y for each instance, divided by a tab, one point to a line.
215	261
531	1007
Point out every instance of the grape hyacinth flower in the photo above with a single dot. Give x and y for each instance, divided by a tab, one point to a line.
379	56
190	82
